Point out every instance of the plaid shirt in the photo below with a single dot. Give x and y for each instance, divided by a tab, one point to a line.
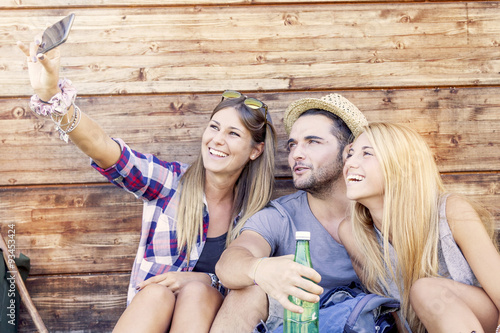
156	183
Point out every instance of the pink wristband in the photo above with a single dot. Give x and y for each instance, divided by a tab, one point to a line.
59	104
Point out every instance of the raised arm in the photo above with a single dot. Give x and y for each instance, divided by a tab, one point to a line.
88	135
245	262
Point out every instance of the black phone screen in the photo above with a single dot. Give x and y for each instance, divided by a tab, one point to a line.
56	34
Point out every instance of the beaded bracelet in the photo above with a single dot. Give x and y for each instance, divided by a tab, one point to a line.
75	120
498	329
59	104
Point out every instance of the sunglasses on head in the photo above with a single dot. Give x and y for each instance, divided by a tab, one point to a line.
251	102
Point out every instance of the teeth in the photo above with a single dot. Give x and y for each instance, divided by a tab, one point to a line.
217	153
355	178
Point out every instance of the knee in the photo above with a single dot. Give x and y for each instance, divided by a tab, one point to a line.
196	288
249	301
241	310
201	292
421	286
421	290
253	295
156	294
432	294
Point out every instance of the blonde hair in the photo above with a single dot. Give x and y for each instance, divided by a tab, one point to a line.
252	190
412	193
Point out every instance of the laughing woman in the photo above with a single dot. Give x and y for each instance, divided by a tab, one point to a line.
190	212
411	240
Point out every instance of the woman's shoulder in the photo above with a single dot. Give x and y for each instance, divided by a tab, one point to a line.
346	236
345	230
465	218
458	208
347	240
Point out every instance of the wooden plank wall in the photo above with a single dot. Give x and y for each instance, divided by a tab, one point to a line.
150	72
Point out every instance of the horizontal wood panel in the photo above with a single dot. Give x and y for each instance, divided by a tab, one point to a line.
460	125
7	4
254	48
73	229
94	302
76	303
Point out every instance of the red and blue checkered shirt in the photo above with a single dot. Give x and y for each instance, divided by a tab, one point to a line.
156	183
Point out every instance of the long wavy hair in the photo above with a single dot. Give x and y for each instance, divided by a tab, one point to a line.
413	191
252	190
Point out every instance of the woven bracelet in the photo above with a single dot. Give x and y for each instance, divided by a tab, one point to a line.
255	270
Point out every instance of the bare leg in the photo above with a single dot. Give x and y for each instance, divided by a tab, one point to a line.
444	305
241	311
195	309
150	311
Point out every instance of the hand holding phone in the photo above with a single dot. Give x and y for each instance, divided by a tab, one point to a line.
56	34
44	68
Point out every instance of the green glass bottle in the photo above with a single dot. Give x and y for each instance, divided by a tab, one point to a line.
306	322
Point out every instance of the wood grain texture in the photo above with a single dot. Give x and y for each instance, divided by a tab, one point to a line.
73	229
460	124
254	48
95	229
151	71
17	4
77	303
91	293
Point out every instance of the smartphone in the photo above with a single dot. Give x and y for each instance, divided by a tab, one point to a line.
56	34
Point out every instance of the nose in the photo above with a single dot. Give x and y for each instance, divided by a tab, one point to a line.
348	164
297	153
218	138
351	162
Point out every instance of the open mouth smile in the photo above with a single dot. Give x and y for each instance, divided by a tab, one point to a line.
354	178
217	152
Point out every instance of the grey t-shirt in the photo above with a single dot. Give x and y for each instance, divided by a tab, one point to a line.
279	221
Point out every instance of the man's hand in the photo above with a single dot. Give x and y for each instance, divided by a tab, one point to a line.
241	265
280	277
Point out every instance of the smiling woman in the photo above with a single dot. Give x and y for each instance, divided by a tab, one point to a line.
412	240
364	175
228	144
191	211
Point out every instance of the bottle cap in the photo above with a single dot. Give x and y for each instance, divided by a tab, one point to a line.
302	235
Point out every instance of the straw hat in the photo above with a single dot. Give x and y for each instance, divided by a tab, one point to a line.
333	103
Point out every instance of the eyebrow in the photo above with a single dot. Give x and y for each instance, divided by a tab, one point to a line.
309	137
232	127
362	148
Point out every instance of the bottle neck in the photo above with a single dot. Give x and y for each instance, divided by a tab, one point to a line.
302	253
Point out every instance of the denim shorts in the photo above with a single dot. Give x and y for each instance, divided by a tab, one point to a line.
274	318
